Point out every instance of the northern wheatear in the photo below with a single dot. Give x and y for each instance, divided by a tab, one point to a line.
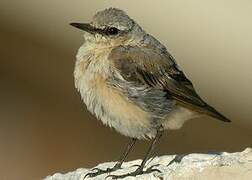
129	81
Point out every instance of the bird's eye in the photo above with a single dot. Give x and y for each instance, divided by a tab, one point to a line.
113	31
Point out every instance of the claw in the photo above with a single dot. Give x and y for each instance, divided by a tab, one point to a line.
88	175
150	169
177	159
135	165
139	171
93	174
101	171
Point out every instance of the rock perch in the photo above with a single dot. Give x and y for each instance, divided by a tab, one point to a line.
217	166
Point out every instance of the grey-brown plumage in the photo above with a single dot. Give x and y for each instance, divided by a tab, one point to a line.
129	81
156	70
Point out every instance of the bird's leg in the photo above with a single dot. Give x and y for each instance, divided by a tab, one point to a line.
125	154
117	165
140	170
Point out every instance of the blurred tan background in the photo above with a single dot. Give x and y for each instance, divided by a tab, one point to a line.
45	128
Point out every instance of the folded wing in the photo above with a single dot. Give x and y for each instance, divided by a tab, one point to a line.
158	70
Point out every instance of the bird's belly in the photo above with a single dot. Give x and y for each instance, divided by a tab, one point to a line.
113	108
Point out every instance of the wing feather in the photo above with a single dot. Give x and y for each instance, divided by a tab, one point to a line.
157	69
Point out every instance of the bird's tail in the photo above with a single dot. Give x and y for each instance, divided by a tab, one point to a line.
209	110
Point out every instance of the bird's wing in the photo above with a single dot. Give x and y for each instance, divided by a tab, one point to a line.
158	70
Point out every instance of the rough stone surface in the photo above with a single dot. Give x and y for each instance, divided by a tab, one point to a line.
193	166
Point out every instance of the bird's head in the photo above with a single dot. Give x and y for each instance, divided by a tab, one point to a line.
111	26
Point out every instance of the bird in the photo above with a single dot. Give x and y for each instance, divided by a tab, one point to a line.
130	82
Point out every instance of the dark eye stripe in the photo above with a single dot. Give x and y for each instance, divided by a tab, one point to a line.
111	31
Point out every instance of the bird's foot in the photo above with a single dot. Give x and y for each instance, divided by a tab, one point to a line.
138	171
101	171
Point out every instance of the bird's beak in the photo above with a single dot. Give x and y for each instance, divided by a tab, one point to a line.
85	27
